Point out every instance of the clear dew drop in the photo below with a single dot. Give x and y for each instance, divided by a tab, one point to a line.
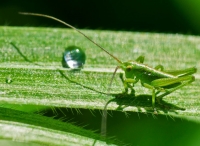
8	80
73	57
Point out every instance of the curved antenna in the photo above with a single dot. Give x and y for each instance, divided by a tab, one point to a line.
104	112
114	73
104	116
66	24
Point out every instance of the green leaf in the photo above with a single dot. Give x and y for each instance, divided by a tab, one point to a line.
32	128
31	72
32	58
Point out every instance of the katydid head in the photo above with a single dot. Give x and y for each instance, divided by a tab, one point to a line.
131	69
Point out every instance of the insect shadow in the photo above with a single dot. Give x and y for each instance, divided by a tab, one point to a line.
142	101
126	100
22	55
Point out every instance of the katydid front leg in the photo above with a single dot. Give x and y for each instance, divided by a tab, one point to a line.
128	83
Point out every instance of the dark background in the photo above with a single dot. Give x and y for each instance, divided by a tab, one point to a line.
166	16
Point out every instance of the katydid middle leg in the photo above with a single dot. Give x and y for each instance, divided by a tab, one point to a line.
153	92
159	67
140	59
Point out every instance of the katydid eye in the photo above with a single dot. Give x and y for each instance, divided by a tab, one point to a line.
128	68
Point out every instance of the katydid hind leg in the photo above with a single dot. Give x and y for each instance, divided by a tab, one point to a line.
186	82
183	72
163	82
160	84
179	73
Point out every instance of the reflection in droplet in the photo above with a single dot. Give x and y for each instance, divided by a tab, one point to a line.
73	57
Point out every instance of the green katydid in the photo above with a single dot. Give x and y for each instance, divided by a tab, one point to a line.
156	79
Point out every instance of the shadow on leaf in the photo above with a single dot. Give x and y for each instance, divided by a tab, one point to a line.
142	101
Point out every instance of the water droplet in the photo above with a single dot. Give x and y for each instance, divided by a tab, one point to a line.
73	57
8	80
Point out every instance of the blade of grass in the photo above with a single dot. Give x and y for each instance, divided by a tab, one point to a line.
32	128
39	79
